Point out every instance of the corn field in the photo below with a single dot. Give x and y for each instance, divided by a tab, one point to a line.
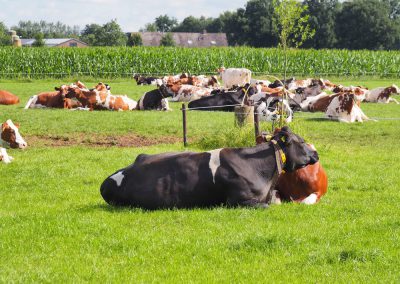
124	61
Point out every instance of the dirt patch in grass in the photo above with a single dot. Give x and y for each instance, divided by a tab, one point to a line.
97	140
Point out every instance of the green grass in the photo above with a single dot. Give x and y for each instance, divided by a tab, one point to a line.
55	227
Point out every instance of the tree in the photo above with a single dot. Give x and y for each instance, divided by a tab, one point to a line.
192	25
322	19
5	38
366	24
135	39
149	27
110	34
39	40
165	23
28	29
260	14
167	40
236	27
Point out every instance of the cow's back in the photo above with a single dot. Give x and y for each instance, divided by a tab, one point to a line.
7	98
298	185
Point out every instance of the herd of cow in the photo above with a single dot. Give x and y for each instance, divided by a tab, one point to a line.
280	168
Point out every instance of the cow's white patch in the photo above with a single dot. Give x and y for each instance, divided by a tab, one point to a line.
118	177
32	101
215	162
18	138
311	199
275	198
4	156
141	101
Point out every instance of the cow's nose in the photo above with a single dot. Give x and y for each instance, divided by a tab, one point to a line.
23	145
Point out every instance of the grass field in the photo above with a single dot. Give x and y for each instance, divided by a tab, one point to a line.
55	227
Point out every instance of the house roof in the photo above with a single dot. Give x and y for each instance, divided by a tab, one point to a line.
186	39
49	41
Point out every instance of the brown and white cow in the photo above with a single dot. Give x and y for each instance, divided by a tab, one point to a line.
100	98
187	93
10	138
305	185
7	98
344	107
382	95
48	99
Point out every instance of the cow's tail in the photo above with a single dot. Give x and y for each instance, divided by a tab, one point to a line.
32	100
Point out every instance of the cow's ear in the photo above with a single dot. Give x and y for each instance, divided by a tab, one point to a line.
16	124
4	126
57	88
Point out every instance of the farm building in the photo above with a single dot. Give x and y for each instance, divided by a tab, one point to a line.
56	42
186	39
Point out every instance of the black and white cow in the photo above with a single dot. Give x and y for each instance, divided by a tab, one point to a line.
228	176
223	100
141	80
154	100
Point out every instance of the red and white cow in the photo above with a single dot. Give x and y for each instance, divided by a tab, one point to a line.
10	138
7	98
234	77
344	107
306	185
48	99
187	93
382	95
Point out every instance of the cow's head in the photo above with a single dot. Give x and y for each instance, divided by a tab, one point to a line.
11	136
298	153
213	81
165	92
395	89
63	90
101	87
221	69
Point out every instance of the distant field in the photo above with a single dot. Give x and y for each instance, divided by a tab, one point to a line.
55	227
122	62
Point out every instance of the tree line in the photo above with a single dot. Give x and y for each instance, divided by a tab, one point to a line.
356	24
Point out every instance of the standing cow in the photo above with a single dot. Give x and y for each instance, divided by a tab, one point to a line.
234	77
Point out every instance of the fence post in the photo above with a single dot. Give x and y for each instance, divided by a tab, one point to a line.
256	124
184	125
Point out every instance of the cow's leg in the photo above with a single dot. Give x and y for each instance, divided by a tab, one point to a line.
393	100
311	199
6	159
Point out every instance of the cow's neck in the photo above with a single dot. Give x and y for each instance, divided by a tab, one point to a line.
3	143
261	158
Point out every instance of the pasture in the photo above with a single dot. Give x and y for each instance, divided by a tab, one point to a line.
55	227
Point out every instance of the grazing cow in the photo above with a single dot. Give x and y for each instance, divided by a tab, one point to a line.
382	95
224	100
6	98
48	99
228	176
344	108
10	138
305	185
154	100
234	77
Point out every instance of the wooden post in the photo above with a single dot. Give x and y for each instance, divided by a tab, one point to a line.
184	125
244	115
256	124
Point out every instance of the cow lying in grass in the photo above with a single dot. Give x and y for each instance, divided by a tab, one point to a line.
382	95
228	176
6	98
10	138
305	185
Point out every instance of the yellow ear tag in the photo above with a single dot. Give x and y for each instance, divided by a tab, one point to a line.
283	156
283	139
268	137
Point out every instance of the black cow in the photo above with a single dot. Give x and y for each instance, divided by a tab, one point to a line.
224	100
229	176
154	100
141	80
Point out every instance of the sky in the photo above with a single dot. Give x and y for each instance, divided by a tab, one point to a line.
131	15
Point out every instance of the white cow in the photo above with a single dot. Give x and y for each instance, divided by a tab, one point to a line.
234	76
382	94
